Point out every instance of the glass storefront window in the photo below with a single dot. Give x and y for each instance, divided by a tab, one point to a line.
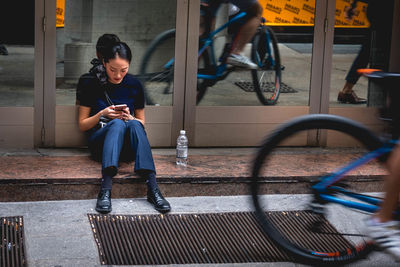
292	25
17	54
135	22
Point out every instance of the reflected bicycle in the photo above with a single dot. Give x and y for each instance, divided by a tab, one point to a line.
157	65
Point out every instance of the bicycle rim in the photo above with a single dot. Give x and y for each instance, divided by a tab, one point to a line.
157	69
267	78
296	227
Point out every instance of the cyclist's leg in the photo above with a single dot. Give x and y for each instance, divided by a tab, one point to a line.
249	28
382	227
391	187
245	33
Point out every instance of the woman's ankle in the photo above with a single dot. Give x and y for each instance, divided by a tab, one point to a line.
110	171
106	178
151	180
106	182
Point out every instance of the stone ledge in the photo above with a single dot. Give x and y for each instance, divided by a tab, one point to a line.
76	176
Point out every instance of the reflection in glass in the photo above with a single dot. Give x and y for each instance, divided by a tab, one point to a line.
351	50
17	54
362	39
135	22
289	70
157	69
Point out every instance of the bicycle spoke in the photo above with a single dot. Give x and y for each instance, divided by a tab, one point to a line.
265	51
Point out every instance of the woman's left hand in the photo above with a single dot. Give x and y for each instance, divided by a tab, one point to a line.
126	115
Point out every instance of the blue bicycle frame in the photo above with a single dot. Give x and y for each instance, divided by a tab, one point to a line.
326	185
209	42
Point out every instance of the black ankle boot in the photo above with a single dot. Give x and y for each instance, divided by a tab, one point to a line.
103	204
155	197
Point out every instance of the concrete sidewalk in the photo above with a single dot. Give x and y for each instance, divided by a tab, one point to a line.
57	233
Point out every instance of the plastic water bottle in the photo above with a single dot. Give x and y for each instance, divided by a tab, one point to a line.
182	149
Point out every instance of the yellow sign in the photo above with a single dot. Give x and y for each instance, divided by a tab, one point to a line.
60	13
301	13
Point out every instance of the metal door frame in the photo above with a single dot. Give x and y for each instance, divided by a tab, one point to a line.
46	101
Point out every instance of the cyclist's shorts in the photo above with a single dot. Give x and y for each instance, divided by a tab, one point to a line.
215	4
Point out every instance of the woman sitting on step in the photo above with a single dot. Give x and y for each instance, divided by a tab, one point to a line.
111	112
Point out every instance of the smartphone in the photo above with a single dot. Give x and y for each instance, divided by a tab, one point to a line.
120	107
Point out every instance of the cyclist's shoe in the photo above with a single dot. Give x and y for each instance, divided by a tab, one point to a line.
241	61
385	235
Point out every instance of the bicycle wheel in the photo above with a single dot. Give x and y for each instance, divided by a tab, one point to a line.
157	69
299	229
267	78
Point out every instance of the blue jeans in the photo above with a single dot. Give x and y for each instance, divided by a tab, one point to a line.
109	141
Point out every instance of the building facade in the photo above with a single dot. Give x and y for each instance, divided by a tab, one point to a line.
54	47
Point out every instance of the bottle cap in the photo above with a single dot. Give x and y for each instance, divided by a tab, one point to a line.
182	132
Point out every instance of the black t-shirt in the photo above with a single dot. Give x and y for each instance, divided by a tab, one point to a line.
91	94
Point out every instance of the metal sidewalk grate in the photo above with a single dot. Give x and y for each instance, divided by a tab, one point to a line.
192	238
266	87
12	252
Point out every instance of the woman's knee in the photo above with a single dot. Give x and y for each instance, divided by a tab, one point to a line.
136	128
134	124
117	124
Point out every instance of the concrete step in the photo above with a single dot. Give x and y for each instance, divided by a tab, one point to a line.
71	174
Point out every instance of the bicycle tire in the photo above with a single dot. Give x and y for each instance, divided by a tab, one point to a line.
265	154
267	78
157	80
